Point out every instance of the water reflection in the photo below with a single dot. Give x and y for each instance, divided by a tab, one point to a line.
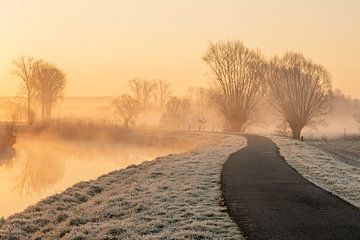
40	171
44	167
7	157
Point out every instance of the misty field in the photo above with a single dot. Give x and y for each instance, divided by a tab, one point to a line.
346	150
332	164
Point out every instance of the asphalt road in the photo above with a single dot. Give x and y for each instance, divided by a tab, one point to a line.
269	200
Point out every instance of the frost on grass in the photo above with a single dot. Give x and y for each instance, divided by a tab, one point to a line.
322	168
347	151
173	197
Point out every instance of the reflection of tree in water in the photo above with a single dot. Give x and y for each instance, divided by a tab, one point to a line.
41	170
7	156
118	153
43	163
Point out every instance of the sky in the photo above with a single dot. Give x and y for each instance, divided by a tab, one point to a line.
101	44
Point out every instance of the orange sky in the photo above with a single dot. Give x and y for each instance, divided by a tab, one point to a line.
100	44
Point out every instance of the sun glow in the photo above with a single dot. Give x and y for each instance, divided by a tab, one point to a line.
101	45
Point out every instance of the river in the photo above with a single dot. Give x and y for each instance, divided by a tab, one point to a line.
41	167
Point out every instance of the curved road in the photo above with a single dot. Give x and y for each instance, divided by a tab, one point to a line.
270	200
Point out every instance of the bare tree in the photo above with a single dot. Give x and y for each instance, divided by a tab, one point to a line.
14	111
201	97
201	105
127	107
162	92
238	74
25	70
356	117
51	83
299	89
176	110
142	90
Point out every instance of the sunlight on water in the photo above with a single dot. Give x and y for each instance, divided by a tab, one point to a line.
42	168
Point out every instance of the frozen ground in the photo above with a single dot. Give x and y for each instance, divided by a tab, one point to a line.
323	168
172	197
347	151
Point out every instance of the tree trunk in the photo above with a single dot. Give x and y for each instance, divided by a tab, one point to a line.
48	111
29	114
296	132
126	123
43	110
237	126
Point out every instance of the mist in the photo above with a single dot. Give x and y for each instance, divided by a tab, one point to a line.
179	120
47	161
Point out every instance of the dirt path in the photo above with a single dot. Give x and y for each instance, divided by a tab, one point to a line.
270	200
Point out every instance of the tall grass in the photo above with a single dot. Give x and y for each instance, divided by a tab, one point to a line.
81	129
110	132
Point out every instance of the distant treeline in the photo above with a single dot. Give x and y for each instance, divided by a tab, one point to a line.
245	88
